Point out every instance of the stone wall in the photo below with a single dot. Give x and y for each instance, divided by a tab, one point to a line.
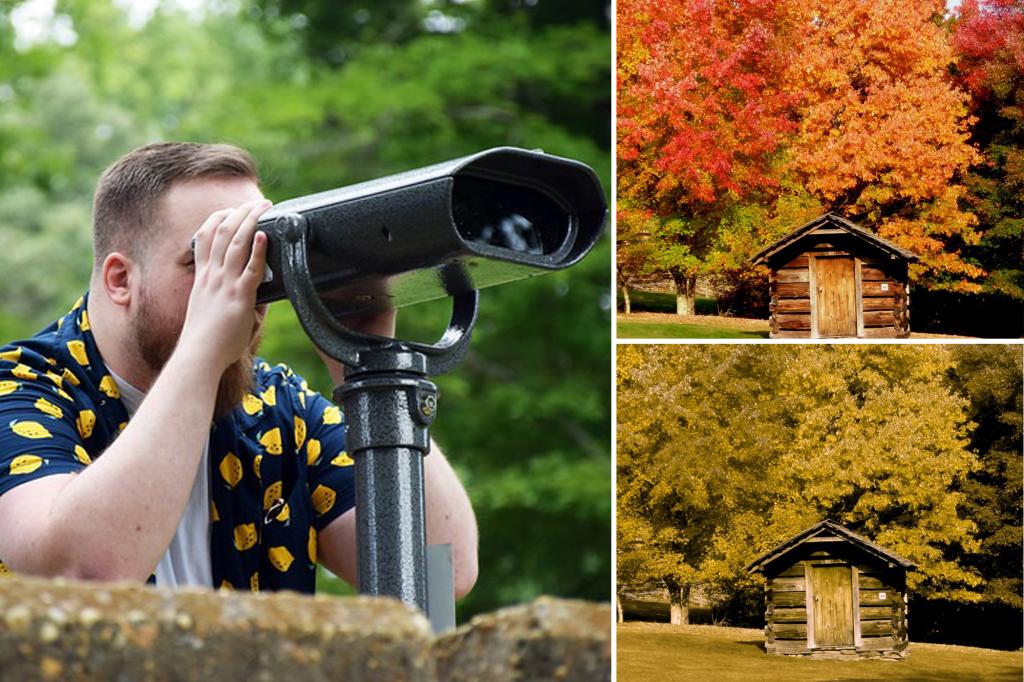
661	284
63	630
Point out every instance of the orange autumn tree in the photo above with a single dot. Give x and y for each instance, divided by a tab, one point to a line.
883	133
701	117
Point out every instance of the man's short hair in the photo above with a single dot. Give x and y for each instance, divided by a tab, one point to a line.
125	205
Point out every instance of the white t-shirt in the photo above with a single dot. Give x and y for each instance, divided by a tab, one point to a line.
187	560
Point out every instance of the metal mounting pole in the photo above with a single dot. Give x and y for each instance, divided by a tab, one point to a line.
389	405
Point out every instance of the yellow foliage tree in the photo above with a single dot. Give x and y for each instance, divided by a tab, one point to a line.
724	451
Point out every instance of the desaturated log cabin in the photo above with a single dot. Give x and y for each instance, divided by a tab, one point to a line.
831	593
832	279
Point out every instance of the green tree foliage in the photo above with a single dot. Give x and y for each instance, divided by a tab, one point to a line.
334	32
525	419
724	451
990	378
558	35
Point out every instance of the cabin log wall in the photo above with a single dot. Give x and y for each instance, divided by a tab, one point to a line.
881	626
881	289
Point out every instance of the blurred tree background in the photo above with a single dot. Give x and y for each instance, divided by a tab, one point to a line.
324	94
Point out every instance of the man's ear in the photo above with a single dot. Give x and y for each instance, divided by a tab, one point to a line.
119	275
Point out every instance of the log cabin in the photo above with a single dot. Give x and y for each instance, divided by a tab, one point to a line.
831	593
832	278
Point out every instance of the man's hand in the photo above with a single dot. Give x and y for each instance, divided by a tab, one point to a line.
230	257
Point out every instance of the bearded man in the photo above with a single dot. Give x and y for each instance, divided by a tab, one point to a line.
141	440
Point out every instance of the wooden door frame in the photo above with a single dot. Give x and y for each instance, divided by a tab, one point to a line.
809	600
858	298
854	597
855	579
812	279
812	282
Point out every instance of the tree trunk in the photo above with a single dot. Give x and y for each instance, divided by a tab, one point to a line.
686	294
620	618
625	299
679	607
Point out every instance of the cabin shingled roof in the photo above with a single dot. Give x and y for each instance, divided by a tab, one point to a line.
838	221
814	531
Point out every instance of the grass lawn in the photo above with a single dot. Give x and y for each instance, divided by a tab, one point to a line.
655	651
654	318
674	330
655	302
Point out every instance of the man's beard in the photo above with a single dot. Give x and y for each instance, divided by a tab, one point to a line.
155	338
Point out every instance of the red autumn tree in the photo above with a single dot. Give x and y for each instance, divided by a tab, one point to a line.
701	116
883	132
989	39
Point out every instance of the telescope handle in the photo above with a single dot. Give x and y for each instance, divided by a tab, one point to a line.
353	348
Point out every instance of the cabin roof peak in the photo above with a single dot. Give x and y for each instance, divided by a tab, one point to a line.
832	220
826	529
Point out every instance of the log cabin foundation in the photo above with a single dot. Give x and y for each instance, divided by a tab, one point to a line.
831	593
834	279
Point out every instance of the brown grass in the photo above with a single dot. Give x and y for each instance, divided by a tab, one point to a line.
667	653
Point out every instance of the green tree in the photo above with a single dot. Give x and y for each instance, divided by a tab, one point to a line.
990	377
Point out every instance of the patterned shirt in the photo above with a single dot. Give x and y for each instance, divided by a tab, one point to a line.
278	468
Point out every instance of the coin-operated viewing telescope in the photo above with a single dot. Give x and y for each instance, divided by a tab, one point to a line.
493	217
445	230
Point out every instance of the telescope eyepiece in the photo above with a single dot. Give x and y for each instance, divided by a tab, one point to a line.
508	216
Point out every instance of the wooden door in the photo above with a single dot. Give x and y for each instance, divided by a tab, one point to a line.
836	296
832	591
